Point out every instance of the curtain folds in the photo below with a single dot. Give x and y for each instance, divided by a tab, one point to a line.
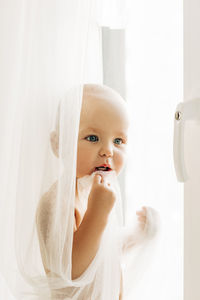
45	59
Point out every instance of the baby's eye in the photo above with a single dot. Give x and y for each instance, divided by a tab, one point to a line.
119	141
92	138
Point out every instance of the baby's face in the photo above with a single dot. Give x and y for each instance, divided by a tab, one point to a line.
102	133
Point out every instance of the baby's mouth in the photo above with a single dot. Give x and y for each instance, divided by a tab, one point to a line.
103	168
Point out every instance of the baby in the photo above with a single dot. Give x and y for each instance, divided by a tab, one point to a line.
102	143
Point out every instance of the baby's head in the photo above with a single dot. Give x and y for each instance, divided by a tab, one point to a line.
103	131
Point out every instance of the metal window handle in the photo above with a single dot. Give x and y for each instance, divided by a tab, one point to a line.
185	111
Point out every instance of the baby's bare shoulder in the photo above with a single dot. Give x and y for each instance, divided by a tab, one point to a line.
49	195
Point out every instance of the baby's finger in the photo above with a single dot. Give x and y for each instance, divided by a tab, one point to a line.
97	179
144	209
142	212
142	218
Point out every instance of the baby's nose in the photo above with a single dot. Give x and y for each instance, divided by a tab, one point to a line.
108	152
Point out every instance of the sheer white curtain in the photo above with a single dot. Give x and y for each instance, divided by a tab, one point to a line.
48	50
43	54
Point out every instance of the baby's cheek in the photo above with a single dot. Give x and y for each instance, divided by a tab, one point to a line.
81	161
82	164
84	160
119	161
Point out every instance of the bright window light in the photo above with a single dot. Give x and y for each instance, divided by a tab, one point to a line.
154	79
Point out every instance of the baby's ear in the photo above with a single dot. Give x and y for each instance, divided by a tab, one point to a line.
55	143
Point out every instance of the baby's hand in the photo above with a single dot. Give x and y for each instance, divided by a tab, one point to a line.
146	229
149	222
101	198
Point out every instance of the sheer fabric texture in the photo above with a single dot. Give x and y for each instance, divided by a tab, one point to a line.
43	68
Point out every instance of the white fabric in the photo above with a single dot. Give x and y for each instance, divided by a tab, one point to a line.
42	69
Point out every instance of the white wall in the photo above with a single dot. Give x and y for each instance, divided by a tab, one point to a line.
192	150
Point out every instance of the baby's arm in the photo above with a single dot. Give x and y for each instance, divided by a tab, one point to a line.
86	242
88	236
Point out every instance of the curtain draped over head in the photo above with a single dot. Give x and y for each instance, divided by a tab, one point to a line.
43	65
